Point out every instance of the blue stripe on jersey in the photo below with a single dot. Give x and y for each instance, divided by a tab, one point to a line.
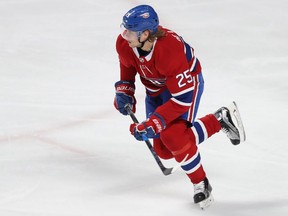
192	164
185	98
194	65
200	131
188	51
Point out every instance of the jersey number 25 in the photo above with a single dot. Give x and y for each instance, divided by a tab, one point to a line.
184	78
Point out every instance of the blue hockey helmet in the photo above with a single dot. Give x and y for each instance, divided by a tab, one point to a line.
141	18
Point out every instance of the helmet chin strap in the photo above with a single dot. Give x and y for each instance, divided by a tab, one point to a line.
143	42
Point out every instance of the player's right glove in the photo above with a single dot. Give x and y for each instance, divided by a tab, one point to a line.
124	95
149	128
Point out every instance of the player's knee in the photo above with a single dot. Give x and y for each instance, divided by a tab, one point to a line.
179	140
161	150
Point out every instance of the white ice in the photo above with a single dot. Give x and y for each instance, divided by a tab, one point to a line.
65	150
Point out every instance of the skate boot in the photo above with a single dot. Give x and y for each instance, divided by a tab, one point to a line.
231	123
202	194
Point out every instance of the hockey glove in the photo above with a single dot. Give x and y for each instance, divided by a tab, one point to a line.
149	128
124	95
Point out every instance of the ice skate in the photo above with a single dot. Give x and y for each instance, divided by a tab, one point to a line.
202	194
231	123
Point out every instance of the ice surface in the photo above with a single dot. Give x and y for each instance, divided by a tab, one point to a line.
65	151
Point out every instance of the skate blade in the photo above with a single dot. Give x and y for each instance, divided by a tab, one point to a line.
236	118
206	203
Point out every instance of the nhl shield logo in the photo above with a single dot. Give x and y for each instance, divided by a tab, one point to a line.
141	60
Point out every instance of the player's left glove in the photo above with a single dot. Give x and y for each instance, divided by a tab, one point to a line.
149	128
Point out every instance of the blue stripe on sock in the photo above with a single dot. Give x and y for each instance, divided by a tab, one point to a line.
200	131
192	164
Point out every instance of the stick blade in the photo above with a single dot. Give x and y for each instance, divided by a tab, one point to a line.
168	171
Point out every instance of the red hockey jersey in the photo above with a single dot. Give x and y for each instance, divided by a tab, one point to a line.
171	65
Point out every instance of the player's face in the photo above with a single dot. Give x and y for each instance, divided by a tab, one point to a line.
130	36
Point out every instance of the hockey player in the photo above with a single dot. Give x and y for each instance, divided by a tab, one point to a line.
172	76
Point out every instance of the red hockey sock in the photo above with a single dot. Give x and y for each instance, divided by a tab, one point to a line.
205	127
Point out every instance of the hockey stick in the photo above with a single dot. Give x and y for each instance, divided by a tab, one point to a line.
165	171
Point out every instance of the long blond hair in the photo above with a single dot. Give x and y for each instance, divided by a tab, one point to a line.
159	33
